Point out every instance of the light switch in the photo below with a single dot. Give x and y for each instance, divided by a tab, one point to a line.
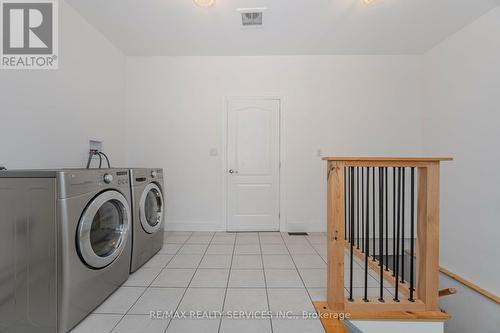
214	152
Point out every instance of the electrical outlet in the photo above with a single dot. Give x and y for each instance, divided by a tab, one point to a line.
95	145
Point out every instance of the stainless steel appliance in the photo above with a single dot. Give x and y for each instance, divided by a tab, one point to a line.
64	245
148	211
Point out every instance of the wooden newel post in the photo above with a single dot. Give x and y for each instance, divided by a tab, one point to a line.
428	236
336	235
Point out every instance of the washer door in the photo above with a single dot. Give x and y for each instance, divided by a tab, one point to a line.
151	208
103	229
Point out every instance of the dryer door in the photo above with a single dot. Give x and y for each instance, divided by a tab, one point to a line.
103	229
151	208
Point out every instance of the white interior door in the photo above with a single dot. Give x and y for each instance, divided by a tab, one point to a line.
253	164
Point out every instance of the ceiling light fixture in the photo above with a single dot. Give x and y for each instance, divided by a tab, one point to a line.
204	3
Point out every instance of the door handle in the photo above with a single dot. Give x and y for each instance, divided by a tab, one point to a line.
232	171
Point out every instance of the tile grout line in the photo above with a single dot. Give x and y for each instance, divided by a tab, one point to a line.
345	288
265	281
148	286
205	253
227	283
192	277
298	272
307	239
322	257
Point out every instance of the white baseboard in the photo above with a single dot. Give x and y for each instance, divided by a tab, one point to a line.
295	226
194	226
301	226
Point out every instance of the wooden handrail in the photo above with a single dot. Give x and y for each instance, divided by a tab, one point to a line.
425	297
388	159
467	283
447	291
471	285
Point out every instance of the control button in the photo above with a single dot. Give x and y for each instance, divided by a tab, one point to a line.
153	174
108	178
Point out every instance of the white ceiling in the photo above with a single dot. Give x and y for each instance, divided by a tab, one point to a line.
178	27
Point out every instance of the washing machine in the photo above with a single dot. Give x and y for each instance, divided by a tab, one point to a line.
64	245
148	211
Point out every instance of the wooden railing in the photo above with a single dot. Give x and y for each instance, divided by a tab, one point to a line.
481	291
367	216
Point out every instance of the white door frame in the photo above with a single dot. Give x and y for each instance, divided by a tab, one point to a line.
281	187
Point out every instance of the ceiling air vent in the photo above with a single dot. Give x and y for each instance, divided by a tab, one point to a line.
251	17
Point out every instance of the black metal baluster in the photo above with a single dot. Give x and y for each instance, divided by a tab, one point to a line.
357	208
394	221
403	228
352	236
345	203
362	209
349	202
412	222
396	268
367	229
381	230
373	215
386	190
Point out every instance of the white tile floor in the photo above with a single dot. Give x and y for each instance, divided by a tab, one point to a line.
226	272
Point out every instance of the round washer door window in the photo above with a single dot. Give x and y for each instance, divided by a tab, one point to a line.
103	229
151	208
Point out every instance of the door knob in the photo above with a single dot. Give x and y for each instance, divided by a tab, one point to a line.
232	171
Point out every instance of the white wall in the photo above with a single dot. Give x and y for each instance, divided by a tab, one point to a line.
343	105
385	326
462	118
47	117
355	105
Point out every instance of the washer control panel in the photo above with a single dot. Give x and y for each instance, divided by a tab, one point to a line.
114	177
108	178
73	182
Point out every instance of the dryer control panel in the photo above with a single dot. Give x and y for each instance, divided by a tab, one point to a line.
144	176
